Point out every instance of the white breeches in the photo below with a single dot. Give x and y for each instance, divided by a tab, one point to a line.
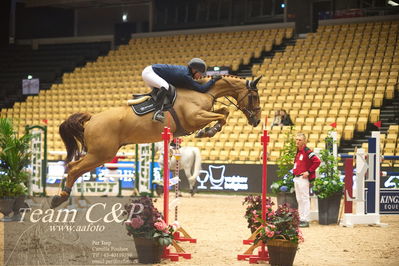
302	196
152	79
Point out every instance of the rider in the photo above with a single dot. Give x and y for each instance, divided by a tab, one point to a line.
164	76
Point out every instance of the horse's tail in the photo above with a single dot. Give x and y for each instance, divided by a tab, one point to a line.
197	165
72	133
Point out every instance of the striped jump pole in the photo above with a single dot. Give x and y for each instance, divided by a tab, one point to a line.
181	234
167	254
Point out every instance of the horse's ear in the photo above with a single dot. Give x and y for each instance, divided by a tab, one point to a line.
254	83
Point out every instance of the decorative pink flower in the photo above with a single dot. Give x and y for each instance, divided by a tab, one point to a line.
268	232
161	225
300	236
136	222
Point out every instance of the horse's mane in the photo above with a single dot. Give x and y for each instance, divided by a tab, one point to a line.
204	79
224	76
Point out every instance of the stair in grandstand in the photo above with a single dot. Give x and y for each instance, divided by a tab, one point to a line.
389	115
47	63
246	70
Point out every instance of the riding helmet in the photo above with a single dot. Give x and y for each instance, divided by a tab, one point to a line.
198	64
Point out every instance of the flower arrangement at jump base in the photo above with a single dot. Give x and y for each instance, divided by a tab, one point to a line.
146	221
282	223
280	232
328	186
328	182
253	211
285	184
149	230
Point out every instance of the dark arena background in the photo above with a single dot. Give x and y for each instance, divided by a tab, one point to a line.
332	65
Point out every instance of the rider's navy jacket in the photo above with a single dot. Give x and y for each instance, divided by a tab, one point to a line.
180	76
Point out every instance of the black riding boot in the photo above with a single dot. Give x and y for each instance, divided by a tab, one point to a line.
158	114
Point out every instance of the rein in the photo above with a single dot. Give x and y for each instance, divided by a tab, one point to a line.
214	98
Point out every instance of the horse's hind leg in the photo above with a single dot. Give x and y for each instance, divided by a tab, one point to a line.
75	170
188	165
191	180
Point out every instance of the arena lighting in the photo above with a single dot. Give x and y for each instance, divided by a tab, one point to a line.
283	5
217	70
124	17
392	3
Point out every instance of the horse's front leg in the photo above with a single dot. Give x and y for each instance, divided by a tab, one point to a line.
209	132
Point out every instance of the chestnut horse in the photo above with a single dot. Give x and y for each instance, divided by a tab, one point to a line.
100	136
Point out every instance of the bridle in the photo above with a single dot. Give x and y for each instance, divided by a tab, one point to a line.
252	95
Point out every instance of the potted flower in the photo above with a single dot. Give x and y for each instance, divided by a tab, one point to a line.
14	158
253	211
284	187
148	229
281	233
328	186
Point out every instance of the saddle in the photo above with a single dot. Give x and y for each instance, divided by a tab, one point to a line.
145	103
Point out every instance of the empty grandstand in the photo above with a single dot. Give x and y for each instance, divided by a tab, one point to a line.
345	72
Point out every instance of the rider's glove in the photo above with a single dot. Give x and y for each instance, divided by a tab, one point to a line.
216	77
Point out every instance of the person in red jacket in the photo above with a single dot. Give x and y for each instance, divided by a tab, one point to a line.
305	165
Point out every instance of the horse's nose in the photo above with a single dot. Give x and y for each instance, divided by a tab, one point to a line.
256	123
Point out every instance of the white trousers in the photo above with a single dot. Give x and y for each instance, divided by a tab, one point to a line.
152	79
302	197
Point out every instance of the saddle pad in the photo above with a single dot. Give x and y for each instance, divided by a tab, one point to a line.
144	107
150	104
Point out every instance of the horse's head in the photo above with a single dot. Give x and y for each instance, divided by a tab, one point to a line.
249	103
243	91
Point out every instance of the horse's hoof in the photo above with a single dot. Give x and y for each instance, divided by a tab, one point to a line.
212	132
200	134
57	201
193	191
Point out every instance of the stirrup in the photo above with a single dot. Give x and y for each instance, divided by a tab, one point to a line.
159	116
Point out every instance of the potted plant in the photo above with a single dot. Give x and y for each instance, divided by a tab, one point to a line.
253	211
281	233
284	187
14	158
328	186
149	230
